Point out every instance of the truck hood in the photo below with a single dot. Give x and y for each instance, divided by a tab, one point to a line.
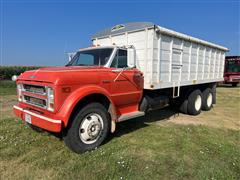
63	75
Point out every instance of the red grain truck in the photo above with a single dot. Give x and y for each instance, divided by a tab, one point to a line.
130	70
232	70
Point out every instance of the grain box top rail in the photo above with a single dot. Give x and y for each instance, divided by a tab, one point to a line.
136	26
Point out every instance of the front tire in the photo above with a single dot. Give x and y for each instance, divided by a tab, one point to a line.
195	102
88	129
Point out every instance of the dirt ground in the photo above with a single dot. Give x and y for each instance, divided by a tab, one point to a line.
224	114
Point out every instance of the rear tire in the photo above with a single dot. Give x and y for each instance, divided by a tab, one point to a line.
234	84
194	102
88	129
207	97
184	106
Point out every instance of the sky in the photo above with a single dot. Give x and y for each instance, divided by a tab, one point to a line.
41	32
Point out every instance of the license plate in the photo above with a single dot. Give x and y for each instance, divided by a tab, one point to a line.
28	118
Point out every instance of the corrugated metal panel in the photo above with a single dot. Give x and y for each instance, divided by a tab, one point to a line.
189	38
169	58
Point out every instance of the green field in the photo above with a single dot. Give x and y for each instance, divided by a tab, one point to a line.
162	145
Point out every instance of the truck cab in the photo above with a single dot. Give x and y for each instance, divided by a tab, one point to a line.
98	87
232	70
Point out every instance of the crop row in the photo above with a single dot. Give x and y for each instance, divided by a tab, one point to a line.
6	72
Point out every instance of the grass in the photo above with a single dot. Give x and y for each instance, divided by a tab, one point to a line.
7	87
157	146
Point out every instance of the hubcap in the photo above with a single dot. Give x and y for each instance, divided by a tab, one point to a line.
209	99
91	128
198	103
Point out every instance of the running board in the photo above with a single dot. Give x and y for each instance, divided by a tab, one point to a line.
131	115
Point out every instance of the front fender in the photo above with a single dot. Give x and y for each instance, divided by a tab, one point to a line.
75	97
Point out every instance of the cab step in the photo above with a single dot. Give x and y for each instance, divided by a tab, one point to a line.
131	115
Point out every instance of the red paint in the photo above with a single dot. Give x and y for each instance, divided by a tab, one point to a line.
39	122
124	91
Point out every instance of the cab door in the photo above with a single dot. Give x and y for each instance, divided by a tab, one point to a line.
127	84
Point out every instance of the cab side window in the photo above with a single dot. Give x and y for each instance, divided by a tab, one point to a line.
120	60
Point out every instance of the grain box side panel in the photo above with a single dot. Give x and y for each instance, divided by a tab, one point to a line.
165	58
186	60
207	63
120	40
213	55
193	62
156	58
222	64
103	41
143	44
200	62
138	40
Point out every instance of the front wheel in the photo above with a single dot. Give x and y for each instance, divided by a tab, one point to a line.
88	129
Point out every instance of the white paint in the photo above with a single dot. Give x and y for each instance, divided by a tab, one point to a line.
198	103
155	50
209	99
37	115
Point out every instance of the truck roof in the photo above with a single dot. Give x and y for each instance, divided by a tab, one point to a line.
122	28
97	47
135	26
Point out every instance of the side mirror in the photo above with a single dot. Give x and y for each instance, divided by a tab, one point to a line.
131	59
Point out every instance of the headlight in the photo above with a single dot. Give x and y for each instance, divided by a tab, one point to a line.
19	92
50	99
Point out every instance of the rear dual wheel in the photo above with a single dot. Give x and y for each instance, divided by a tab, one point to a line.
207	99
197	101
194	106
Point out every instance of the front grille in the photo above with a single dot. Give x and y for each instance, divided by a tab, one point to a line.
33	99
34	89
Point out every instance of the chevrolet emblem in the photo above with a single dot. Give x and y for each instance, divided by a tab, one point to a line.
32	76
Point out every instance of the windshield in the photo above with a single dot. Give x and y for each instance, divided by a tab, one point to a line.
233	66
93	57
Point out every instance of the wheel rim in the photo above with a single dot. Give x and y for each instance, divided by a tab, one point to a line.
91	128
198	103
209	99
